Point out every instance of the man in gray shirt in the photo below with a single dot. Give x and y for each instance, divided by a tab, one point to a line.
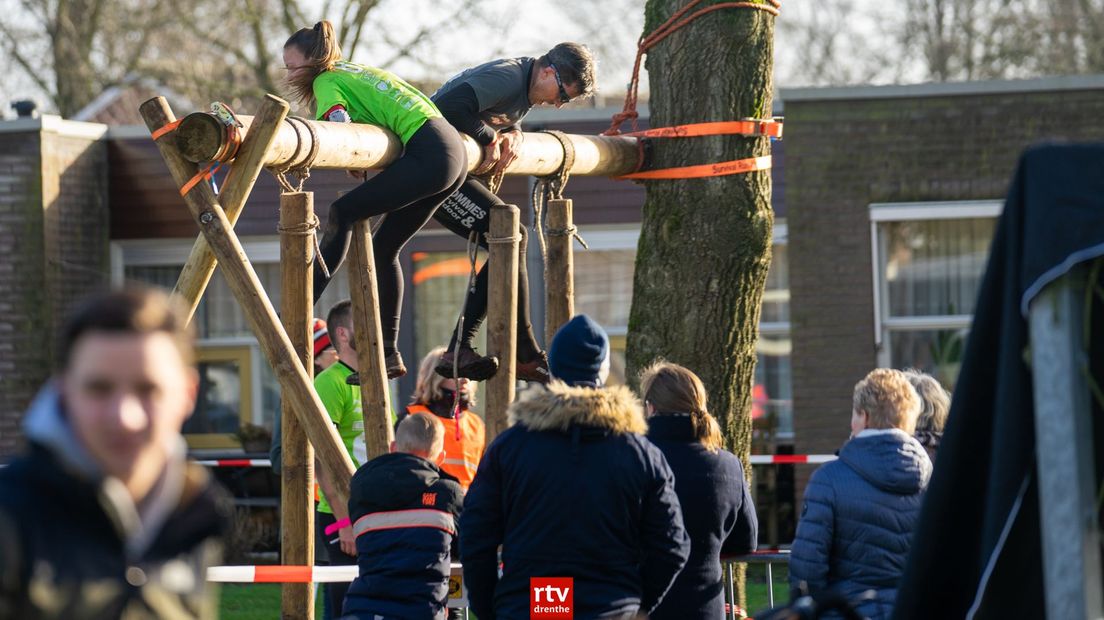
488	102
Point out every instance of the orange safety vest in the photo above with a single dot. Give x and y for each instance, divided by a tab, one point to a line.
463	449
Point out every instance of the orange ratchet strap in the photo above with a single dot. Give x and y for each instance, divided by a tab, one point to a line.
204	174
736	166
746	127
166	128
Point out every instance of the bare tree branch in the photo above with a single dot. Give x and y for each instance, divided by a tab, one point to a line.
22	61
360	19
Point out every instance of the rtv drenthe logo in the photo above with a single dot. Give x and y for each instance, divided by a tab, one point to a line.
551	598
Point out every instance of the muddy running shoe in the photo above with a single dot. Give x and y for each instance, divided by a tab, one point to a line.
534	370
395	369
470	365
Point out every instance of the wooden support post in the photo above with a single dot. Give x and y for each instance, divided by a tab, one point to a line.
297	460
559	269
503	241
375	398
295	384
200	265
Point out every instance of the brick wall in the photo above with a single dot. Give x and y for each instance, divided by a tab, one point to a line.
845	153
54	244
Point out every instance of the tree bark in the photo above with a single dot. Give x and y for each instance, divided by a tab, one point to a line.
705	244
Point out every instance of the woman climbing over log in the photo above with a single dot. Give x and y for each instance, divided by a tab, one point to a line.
432	166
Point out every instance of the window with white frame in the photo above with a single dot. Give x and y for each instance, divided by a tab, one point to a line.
929	259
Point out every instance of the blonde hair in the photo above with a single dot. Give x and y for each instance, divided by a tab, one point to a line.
428	387
935	402
889	400
420	432
320	47
671	388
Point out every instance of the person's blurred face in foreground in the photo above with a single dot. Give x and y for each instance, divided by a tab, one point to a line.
127	392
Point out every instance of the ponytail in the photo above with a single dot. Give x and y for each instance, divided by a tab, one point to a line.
671	388
706	430
321	50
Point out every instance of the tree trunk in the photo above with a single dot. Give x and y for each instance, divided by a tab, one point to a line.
705	244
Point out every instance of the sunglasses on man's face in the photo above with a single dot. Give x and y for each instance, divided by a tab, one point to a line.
564	97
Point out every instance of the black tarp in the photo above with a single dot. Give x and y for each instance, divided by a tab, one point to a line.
977	550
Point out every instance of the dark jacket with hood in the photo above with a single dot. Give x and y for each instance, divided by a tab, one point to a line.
404	511
73	545
572	489
717	510
857	521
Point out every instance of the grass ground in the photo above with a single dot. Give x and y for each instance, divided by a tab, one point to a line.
259	601
262	601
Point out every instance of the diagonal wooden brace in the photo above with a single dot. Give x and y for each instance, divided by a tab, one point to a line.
295	384
239	183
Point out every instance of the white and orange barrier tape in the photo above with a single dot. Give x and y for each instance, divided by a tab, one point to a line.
791	459
458	594
236	463
756	459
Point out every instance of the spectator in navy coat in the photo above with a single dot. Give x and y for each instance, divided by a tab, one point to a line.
573	489
716	501
404	511
859	511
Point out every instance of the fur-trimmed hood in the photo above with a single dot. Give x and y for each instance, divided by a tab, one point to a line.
558	406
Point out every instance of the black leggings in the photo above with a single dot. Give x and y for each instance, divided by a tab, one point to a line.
467	210
431	167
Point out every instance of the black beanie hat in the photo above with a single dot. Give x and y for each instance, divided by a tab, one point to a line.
578	351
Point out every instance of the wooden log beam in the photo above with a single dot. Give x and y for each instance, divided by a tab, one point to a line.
375	398
502	314
200	265
295	384
297	458
559	268
343	146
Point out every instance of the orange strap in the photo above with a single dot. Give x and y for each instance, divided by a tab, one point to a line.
166	128
204	174
746	127
672	24
736	166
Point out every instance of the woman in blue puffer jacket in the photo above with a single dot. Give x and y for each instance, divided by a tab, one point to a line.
859	511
